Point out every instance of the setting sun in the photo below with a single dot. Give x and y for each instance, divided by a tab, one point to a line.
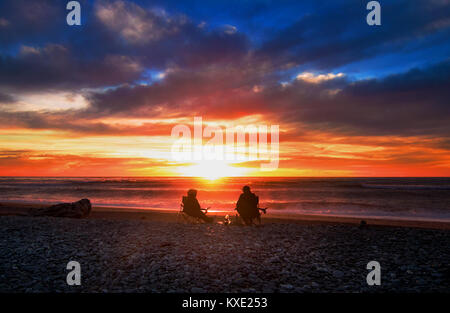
211	170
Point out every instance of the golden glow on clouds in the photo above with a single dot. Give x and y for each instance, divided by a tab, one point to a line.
31	152
60	101
313	78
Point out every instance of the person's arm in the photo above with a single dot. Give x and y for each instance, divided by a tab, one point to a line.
197	205
239	202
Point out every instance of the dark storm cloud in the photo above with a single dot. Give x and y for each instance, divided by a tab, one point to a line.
55	67
182	91
70	121
411	103
120	40
414	103
24	21
117	44
47	120
5	98
218	71
328	38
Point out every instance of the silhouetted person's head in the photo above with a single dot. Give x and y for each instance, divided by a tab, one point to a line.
192	193
246	189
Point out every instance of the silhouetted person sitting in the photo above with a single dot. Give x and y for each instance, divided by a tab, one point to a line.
247	206
192	208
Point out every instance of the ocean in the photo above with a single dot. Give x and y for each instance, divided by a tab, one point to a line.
418	198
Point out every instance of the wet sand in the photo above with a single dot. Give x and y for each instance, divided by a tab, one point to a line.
10	208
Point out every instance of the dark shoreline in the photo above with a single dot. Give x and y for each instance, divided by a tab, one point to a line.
15	208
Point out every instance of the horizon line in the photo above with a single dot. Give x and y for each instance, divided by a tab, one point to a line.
38	176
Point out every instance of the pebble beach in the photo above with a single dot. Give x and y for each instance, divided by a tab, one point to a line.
145	255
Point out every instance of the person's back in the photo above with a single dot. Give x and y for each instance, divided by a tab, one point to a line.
247	205
191	206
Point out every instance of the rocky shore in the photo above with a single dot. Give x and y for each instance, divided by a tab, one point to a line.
156	256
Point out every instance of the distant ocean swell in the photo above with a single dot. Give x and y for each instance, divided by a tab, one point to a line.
402	197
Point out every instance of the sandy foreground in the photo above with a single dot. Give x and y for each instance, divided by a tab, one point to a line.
135	251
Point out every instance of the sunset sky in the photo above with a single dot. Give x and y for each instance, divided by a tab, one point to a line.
101	99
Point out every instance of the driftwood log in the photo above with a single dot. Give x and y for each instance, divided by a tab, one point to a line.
79	209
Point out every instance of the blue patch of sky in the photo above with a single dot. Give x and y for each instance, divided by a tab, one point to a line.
258	19
149	77
417	54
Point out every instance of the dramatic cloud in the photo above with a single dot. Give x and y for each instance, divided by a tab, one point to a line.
311	78
327	39
411	103
5	98
24	21
24	162
56	67
135	24
339	89
121	42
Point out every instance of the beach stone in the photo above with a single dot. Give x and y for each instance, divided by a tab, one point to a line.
253	277
197	290
239	281
126	256
274	259
287	286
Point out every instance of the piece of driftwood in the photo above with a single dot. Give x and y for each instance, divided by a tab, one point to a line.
79	209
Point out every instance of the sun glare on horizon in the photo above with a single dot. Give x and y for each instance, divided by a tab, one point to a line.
212	170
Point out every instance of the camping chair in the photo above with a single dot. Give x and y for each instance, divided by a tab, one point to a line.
185	218
238	219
